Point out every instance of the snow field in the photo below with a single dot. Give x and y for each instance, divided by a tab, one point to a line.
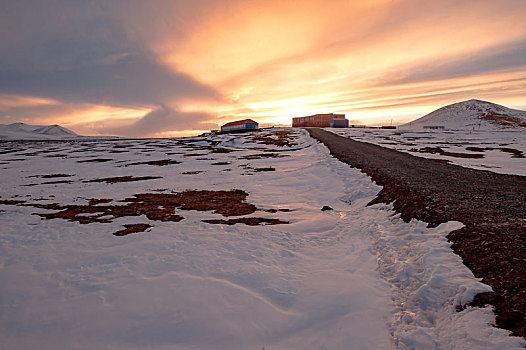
355	277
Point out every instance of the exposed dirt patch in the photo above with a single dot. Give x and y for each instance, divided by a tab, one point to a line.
195	154
51	176
247	221
95	160
155	206
48	183
192	172
132	228
226	203
257	170
278	138
438	150
491	206
11	201
514	152
112	180
95	201
56	182
161	162
277	210
262	156
475	149
221	163
220	150
503	120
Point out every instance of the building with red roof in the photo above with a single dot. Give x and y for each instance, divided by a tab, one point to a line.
245	124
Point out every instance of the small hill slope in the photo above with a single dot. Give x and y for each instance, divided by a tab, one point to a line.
21	131
473	115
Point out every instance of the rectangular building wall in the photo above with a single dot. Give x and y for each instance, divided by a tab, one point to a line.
317	120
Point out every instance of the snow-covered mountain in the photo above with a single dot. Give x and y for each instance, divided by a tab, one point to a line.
472	115
21	131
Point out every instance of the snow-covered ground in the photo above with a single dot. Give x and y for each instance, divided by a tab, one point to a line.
354	277
500	151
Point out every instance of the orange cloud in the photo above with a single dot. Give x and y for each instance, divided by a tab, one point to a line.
278	60
374	60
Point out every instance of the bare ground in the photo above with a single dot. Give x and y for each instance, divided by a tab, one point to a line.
491	206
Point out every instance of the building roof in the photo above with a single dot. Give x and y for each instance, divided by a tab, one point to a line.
240	122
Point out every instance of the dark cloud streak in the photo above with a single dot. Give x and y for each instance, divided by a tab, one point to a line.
135	79
79	52
508	56
165	119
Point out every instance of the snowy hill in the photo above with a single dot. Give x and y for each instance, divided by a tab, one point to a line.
472	115
21	131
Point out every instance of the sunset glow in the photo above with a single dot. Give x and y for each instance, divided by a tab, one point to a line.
204	63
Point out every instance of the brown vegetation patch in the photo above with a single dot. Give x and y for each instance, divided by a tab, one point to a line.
257	170
438	150
95	201
514	152
11	201
247	221
195	154
503	120
277	210
112	180
156	206
56	182
220	150
161	162
51	176
226	203
132	228
95	160
262	156
57	155
278	138
475	149
152	207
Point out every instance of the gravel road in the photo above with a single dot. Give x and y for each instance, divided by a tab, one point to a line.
492	207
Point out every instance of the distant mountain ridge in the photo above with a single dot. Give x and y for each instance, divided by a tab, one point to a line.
22	131
473	115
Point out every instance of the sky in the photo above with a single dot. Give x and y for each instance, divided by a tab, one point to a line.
163	68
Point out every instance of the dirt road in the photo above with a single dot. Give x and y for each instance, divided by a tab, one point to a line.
492	206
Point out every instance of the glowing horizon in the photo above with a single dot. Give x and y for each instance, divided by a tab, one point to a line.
174	67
